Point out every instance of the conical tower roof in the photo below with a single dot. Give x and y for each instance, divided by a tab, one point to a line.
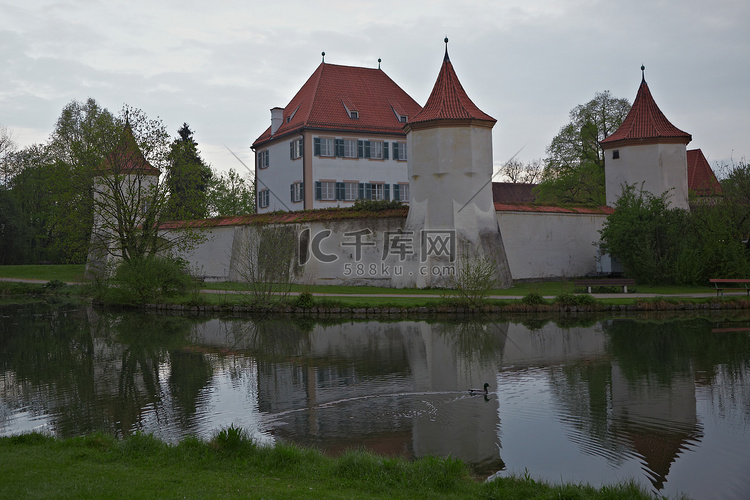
645	124
126	157
449	101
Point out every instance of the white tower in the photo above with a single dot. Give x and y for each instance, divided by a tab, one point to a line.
449	146
647	150
123	188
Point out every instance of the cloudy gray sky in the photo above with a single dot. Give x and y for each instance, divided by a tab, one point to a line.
220	65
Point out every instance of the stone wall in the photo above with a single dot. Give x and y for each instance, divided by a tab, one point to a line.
373	250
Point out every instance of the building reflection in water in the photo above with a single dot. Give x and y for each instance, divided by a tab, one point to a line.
584	401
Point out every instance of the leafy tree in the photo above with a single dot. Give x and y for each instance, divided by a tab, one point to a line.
188	178
574	167
52	183
131	195
230	194
646	236
13	230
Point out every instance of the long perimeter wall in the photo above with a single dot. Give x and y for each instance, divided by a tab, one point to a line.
362	252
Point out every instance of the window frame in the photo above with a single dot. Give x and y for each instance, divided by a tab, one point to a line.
297	192
264	159
264	198
296	149
327	144
351	188
399	151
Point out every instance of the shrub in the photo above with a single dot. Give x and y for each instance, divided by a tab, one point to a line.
305	300
475	278
150	279
364	205
571	299
533	299
54	285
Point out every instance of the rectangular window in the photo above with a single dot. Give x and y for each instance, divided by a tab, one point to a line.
323	146
401	192
295	149
263	198
615	154
349	148
297	192
350	191
376	191
399	151
325	190
376	150
263	157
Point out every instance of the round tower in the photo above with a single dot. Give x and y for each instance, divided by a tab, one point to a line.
452	216
647	150
123	191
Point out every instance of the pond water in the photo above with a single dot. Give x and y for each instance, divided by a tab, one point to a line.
664	400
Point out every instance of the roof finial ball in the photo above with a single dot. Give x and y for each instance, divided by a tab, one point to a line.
324	56
643	72
379	59
446	49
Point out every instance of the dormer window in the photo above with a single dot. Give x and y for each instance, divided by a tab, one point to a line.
402	119
354	115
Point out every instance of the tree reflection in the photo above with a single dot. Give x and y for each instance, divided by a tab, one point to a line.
476	341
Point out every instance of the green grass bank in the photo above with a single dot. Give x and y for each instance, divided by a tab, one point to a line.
230	466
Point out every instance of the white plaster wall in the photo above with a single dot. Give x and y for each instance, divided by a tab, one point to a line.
546	245
345	268
660	167
388	171
538	245
282	171
211	258
450	170
454	163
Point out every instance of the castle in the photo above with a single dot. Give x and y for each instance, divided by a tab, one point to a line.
351	133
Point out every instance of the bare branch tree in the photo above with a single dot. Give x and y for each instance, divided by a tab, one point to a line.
264	260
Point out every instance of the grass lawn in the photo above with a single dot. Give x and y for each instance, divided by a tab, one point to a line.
230	465
74	273
65	272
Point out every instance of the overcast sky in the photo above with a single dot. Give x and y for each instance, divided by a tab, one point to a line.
220	65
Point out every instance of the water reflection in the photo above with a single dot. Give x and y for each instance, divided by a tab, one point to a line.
661	401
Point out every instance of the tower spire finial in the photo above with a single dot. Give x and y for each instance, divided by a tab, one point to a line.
643	73
379	62
446	58
323	54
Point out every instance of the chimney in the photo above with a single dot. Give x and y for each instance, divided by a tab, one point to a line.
277	118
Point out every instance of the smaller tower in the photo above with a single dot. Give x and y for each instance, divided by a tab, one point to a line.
647	150
123	187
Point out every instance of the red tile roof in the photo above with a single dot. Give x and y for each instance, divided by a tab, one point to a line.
528	207
325	214
645	122
513	192
127	158
319	104
701	179
448	100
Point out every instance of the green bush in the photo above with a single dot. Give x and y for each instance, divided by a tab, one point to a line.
304	300
363	205
572	299
533	299
54	285
149	279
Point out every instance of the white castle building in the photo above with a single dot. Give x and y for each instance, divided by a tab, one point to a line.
351	133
